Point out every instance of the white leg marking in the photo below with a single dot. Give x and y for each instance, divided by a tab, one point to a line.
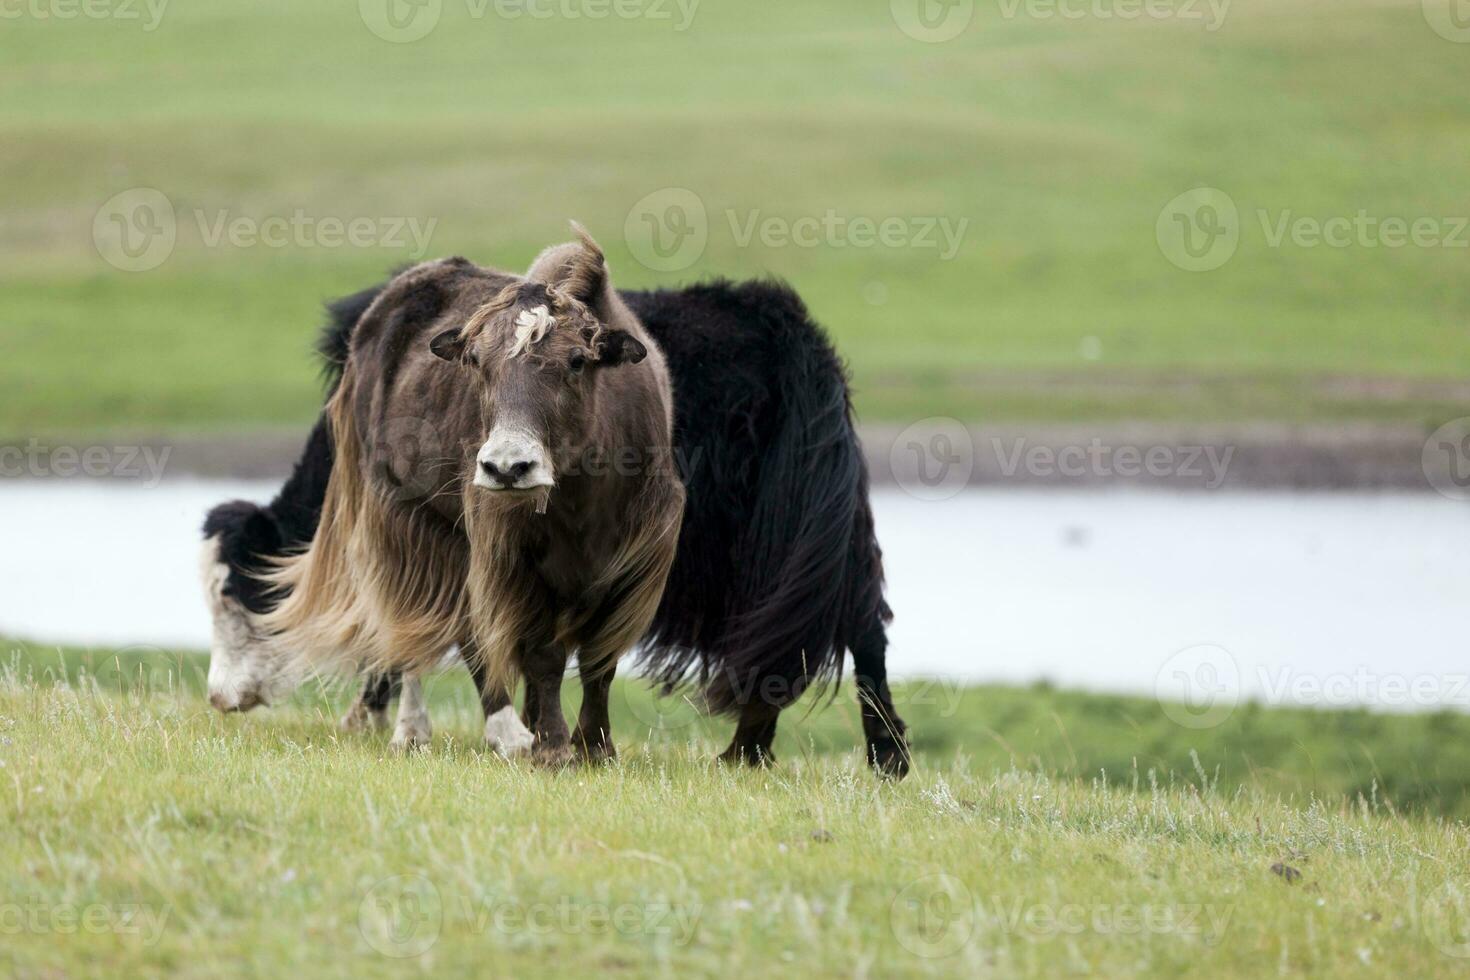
506	735
413	730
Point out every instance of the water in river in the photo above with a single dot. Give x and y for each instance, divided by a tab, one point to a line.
1305	598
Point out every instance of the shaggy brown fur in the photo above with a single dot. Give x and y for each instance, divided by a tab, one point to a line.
411	555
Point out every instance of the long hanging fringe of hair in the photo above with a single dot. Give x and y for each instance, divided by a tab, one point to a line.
381	585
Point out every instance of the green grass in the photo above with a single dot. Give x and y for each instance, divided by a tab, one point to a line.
272	844
1059	140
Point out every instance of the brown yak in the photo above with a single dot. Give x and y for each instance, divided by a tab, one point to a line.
502	480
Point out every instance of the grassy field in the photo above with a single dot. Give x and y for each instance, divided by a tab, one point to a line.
147	833
1058	142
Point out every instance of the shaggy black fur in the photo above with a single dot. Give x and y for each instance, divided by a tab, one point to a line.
778	570
773	471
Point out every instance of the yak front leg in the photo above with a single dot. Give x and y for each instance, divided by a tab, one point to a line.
593	737
412	730
504	732
531	710
543	667
370	710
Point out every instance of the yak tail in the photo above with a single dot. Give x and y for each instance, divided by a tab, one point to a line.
794	557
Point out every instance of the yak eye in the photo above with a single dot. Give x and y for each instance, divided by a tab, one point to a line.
577	363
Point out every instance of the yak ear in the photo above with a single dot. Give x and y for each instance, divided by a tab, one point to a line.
449	345
620	347
577	269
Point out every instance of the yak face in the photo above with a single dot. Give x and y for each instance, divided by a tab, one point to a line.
534	353
243	673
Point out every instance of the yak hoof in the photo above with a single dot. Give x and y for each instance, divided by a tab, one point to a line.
361	718
410	738
753	756
889	757
594	752
506	735
552	755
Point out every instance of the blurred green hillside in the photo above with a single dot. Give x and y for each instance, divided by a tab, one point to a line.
1050	147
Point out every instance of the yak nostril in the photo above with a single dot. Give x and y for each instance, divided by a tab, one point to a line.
508	473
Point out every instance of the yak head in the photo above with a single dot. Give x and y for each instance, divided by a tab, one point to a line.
534	353
243	672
